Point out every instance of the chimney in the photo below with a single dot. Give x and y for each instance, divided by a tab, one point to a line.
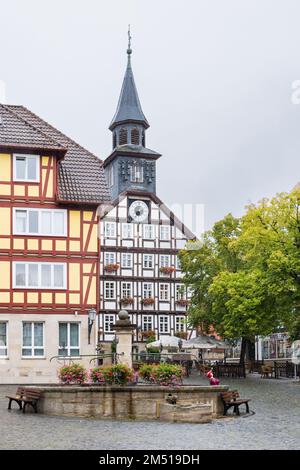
2	92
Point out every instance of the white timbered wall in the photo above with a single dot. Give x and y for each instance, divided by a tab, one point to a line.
139	259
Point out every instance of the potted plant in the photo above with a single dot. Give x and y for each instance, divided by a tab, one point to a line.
111	268
117	374
162	374
73	374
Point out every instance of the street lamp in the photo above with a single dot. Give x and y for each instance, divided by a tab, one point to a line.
91	319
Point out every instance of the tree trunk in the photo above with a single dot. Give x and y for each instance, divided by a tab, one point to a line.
243	350
247	350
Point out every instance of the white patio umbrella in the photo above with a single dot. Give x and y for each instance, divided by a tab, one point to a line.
205	342
167	341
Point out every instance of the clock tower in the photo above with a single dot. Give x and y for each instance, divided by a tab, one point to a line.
131	165
139	236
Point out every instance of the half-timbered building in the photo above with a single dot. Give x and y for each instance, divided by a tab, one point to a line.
140	237
50	188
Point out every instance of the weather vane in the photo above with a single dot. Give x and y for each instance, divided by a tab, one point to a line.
129	41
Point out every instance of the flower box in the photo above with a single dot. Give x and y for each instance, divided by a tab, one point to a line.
147	301
167	269
126	301
181	334
182	302
111	268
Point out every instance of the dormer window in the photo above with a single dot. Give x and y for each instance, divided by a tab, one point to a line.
135	136
26	168
123	137
137	173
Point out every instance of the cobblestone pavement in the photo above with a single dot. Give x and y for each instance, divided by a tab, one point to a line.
275	425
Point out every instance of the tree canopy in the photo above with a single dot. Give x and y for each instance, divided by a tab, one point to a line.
245	275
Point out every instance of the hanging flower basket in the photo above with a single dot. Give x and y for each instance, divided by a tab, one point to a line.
147	301
126	301
167	269
182	302
111	268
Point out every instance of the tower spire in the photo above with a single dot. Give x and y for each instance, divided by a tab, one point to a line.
129	50
129	108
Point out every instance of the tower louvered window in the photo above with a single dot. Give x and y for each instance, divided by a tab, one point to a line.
123	137
135	136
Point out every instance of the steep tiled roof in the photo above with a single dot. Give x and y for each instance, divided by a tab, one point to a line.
80	173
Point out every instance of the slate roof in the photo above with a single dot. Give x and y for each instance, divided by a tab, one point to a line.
80	173
129	106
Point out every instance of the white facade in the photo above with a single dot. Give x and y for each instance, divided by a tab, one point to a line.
132	258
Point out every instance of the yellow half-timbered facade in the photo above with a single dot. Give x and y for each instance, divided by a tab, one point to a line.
50	189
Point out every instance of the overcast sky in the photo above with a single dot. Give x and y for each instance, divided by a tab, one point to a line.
214	79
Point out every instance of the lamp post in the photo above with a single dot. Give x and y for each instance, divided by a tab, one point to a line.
91	319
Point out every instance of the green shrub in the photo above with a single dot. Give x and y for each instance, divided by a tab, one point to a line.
72	374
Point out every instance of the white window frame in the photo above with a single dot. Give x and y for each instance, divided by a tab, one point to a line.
125	292
179	323
178	264
109	258
126	260
4	348
164	294
111	288
40	286
180	295
108	320
146	262
146	321
110	229
32	347
164	261
165	232
151	231
39	211
127	230
164	324
147	291
26	156
68	346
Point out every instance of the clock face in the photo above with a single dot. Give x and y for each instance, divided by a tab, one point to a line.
139	211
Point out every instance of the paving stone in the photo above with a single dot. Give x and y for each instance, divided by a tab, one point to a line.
275	425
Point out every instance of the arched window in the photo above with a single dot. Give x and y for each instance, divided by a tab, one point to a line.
123	137
135	136
114	140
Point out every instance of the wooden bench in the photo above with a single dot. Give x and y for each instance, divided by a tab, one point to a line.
17	398
31	397
231	399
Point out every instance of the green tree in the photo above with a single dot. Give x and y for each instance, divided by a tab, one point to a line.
245	276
